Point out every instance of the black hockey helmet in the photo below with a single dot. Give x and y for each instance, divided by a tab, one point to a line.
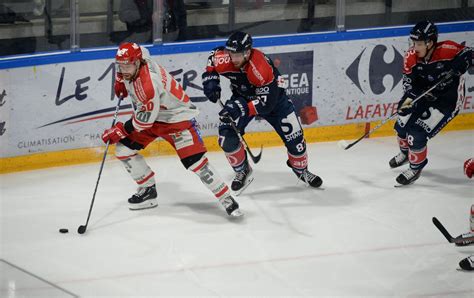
425	31
238	42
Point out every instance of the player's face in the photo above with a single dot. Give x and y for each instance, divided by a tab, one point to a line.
128	70
421	48
238	59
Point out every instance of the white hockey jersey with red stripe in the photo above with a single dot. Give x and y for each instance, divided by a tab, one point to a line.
157	97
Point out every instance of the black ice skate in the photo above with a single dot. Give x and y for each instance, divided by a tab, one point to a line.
310	179
144	198
231	206
408	177
467	241
467	263
242	179
307	177
398	160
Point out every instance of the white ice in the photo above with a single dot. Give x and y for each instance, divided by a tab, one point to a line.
359	236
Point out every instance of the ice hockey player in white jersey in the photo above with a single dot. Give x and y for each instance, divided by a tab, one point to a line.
161	109
468	263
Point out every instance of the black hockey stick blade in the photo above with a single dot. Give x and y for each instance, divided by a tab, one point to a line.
443	230
355	142
257	158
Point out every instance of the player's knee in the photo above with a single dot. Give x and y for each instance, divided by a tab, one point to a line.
122	151
417	139
131	144
401	130
296	147
228	140
192	160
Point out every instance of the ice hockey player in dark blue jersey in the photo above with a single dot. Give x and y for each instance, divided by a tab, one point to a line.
257	90
426	63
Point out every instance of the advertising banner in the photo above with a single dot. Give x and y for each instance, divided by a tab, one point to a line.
67	106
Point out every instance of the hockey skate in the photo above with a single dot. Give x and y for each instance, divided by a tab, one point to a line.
467	263
231	206
398	160
310	179
467	241
307	177
242	180
144	198
409	176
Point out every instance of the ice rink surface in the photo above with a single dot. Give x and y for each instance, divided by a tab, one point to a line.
359	236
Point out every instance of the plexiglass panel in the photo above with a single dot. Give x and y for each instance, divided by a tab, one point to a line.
30	26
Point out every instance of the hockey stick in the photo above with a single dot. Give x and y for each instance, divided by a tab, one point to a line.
82	229
448	236
254	158
346	146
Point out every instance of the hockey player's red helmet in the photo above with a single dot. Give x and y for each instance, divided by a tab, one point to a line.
128	53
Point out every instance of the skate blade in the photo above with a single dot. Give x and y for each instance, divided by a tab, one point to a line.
464	243
299	181
237	193
236	213
148	204
403	185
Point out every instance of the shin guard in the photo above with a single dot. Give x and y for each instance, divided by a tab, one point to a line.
135	165
238	158
417	158
403	144
298	163
209	177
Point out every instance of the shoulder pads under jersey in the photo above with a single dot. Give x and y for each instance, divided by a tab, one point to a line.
259	71
409	60
221	62
446	50
143	85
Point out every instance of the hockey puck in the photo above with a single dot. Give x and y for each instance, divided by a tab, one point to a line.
64	231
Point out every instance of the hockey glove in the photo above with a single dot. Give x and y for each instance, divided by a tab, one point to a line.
114	134
211	85
119	86
234	109
469	167
461	63
405	106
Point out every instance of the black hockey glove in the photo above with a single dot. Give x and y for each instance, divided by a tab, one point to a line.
211	85
462	62
234	109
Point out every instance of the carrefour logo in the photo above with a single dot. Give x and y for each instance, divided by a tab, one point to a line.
378	69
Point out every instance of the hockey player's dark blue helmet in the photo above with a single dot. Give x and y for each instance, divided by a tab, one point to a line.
239	42
424	31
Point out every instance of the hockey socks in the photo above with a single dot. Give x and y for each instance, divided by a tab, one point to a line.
208	175
135	165
402	157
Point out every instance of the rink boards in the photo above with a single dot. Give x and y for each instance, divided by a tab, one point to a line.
52	113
